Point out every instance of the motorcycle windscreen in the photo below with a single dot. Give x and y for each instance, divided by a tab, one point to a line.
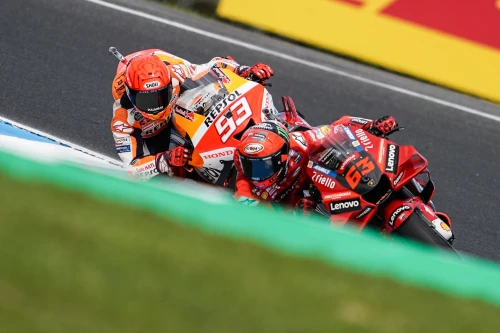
260	169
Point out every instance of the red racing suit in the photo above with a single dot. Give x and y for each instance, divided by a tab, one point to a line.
138	139
288	191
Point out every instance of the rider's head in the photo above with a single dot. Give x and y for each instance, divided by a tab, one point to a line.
263	151
149	86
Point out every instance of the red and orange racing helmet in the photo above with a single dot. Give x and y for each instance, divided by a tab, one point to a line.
149	87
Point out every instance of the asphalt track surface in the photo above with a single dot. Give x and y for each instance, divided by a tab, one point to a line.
56	77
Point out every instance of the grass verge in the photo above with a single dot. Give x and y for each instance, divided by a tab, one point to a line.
74	264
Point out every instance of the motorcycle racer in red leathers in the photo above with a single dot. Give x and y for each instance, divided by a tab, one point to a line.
145	88
271	162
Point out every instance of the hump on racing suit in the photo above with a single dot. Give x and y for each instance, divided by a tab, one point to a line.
138	139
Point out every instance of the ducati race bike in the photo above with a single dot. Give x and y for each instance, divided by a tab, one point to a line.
374	182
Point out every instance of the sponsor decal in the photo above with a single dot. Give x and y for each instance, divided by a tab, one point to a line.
209	174
344	206
321	169
264	195
220	74
120	126
445	226
209	155
392	159
361	121
122	141
265	126
346	162
381	151
123	149
364	139
177	69
296	172
395	214
288	191
323	180
214	112
383	197
153	127
428	209
353	139
138	116
398	178
338	195
152	85
282	132
319	135
253	148
349	134
266	101
299	138
325	130
363	213
330	158
159	108
189	115
310	164
261	136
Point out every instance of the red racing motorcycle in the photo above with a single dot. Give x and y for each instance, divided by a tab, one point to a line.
374	182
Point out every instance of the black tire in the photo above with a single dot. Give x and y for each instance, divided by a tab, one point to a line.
418	229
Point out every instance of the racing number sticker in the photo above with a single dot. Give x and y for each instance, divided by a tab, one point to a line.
241	111
353	176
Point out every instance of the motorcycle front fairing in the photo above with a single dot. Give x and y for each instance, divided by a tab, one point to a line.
212	114
342	172
366	170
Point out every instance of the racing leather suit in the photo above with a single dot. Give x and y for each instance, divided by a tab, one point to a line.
138	139
288	191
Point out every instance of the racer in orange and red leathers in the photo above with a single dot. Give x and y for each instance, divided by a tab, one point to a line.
271	162
145	90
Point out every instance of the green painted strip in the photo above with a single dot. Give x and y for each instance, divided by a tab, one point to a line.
214	211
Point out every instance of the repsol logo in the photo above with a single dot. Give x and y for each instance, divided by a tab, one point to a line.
344	206
220	106
392	158
395	214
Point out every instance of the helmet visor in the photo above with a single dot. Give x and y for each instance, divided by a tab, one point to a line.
260	169
151	101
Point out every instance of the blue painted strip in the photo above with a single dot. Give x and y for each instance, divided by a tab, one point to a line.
353	139
9	130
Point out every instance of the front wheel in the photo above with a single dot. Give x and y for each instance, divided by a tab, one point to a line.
418	229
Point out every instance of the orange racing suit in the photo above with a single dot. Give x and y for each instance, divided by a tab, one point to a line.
138	139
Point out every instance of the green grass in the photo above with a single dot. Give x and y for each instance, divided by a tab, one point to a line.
70	263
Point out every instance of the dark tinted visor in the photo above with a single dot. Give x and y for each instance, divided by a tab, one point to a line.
151	101
260	169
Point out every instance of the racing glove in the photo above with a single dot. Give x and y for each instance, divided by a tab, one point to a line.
178	157
305	207
381	126
257	72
